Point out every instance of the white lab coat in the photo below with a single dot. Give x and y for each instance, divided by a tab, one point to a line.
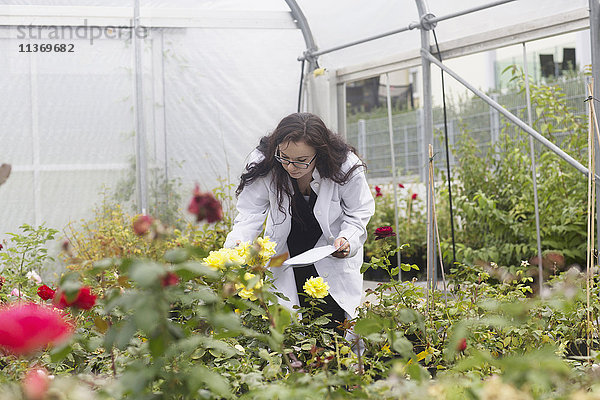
341	210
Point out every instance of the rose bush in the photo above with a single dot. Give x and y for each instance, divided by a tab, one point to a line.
217	332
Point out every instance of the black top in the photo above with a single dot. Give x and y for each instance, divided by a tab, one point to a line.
305	231
303	236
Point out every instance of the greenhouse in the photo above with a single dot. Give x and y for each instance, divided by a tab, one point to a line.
273	199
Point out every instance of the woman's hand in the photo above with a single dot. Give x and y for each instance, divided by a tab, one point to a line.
343	247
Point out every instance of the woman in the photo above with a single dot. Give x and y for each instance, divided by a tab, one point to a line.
310	186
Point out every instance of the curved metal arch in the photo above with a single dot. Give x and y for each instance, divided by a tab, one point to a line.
309	40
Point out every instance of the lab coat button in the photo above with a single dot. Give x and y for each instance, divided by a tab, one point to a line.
331	238
318	213
317	184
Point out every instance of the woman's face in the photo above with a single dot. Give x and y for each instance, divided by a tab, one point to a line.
298	152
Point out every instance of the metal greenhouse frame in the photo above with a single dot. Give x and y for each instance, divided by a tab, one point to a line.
326	98
427	22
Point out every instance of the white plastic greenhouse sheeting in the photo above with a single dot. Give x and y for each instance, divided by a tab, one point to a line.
211	85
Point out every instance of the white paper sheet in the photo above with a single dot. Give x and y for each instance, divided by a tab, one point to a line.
310	256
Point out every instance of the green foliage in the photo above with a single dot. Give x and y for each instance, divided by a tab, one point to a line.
21	254
110	234
493	189
199	339
411	221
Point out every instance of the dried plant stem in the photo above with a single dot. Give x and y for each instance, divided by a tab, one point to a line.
590	217
361	370
429	227
437	234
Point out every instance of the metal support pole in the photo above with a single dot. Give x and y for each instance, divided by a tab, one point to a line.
411	26
309	40
533	171
406	163
362	138
419	136
536	135
394	173
141	163
595	44
467	11
427	134
38	218
164	108
494	122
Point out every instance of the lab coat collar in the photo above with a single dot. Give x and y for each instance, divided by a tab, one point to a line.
315	174
316	182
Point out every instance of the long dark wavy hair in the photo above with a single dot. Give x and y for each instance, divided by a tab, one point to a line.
331	149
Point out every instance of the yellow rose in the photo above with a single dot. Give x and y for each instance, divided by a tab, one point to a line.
243	249
267	247
258	253
220	258
316	287
248	293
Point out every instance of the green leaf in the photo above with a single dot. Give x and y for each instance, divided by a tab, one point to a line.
120	335
282	317
321	320
417	373
58	354
364	267
201	376
403	346
367	326
101	265
157	345
192	269
227	321
147	319
146	274
70	288
177	256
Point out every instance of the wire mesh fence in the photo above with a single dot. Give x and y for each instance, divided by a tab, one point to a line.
472	117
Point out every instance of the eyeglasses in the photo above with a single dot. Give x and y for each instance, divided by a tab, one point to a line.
297	164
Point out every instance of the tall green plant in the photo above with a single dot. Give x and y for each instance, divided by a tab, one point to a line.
494	200
24	253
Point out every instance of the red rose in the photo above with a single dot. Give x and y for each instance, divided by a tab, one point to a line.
45	292
205	206
28	327
414	196
1	247
462	345
384	232
85	300
170	279
401	186
142	224
378	191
